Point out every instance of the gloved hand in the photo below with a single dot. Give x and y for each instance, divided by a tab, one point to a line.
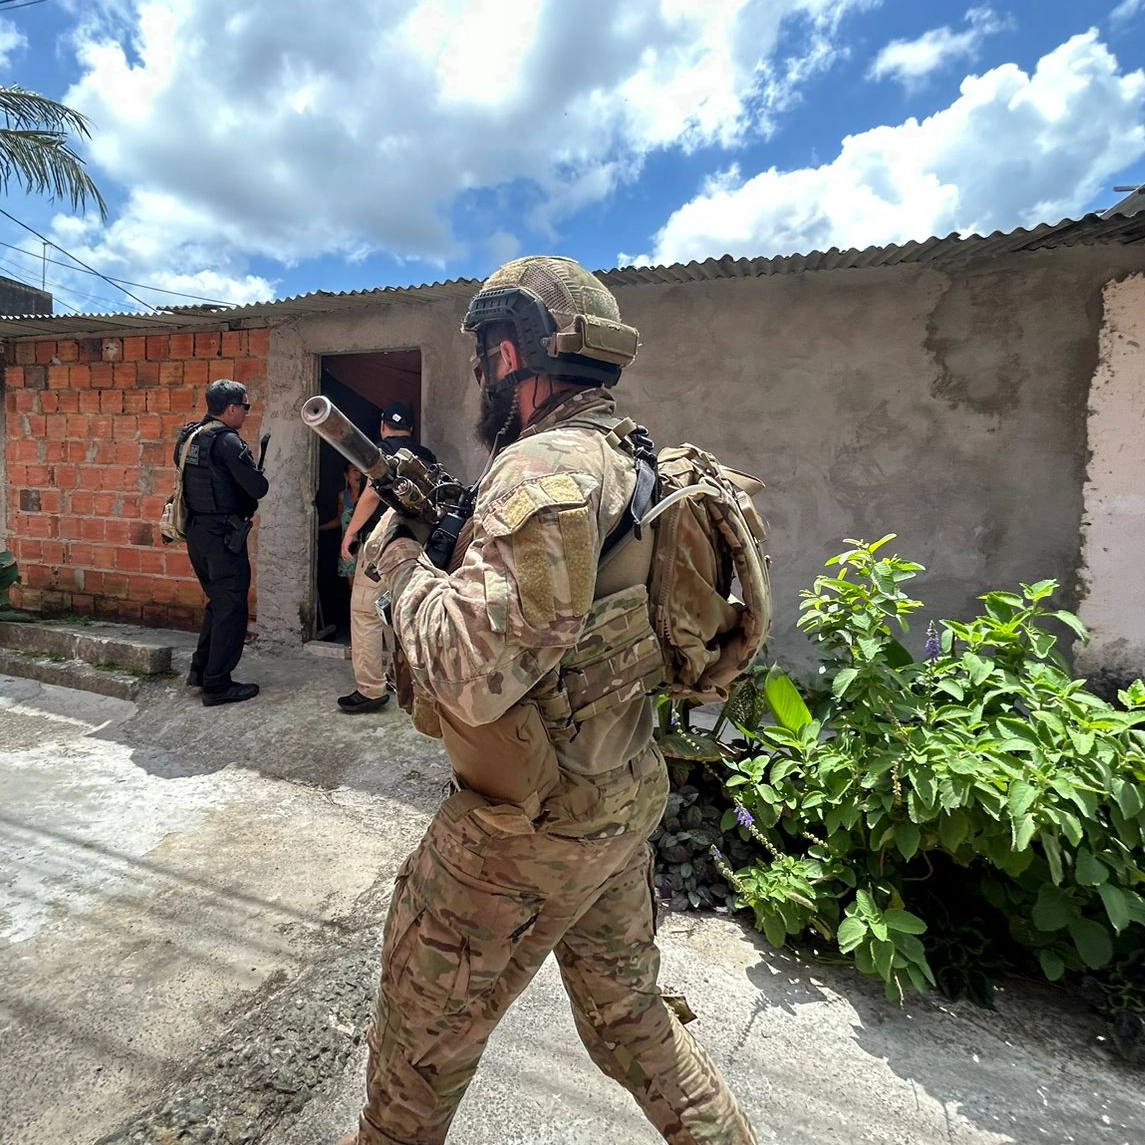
405	528
402	542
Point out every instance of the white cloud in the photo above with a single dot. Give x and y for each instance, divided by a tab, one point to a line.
910	61
288	129
11	40
1126	10
1012	150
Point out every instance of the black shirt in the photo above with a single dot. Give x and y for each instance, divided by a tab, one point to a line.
220	475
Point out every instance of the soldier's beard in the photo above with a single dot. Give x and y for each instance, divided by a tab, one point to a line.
499	412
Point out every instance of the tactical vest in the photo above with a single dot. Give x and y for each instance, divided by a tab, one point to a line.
206	487
579	745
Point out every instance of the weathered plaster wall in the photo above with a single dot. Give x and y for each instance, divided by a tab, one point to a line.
287	527
947	407
1113	532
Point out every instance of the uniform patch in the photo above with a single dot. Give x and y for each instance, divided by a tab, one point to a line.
509	513
579	557
531	562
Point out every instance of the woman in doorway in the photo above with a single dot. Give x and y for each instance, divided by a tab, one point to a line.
347	500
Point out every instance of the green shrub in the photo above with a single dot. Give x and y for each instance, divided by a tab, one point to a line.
939	820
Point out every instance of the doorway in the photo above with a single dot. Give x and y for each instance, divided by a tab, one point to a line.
361	386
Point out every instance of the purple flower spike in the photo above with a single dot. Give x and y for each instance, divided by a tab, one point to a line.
933	645
743	816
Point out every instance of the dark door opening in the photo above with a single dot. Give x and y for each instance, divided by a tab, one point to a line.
361	386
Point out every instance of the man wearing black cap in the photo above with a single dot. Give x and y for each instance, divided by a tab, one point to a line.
370	660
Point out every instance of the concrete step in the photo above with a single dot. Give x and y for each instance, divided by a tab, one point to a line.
96	656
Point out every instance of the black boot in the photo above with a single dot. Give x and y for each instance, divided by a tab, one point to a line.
356	702
232	694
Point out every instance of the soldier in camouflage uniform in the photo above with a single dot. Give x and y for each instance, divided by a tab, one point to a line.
533	665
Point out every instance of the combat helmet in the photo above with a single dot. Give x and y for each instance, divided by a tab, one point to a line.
566	320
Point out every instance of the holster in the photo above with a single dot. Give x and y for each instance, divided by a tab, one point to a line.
238	529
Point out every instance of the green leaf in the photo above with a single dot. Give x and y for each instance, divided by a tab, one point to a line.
1092	941
1023	831
1072	622
843	681
1129	799
1053	909
907	836
1053	851
904	921
1021	795
1089	870
884	955
865	903
1053	965
1039	591
852	931
693	746
953	829
1116	905
774	930
786	702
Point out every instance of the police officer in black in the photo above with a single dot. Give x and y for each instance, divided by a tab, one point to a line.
222	487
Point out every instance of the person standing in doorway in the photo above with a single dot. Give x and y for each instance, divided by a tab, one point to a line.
371	660
222	486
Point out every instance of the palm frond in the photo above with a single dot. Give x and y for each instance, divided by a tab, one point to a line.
35	150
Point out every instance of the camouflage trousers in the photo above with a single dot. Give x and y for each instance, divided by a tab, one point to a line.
476	909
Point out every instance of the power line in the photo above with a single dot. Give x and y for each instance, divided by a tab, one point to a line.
92	269
118	281
15	272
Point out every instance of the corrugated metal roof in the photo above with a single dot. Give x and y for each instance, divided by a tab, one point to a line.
947	253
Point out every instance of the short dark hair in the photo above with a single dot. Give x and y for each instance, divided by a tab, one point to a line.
225	392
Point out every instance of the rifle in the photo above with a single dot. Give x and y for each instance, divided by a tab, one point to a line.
404	482
263	442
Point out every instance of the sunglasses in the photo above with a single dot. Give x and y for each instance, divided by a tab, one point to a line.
245	405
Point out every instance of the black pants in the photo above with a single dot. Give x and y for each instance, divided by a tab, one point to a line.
225	577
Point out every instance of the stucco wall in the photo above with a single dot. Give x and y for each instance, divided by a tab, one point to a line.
1113	533
949	407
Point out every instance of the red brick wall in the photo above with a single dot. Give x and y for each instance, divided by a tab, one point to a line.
91	424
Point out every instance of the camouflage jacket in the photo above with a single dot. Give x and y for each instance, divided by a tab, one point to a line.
487	642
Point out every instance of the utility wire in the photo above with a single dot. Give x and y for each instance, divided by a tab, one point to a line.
117	281
15	272
56	246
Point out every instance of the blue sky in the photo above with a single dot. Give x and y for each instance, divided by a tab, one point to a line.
253	149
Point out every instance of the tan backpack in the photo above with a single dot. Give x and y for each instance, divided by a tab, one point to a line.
173	519
707	536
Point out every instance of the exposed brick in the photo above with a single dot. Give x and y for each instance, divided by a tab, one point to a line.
150	427
79	426
57	426
147	373
28	451
30	401
105	505
89	477
101	426
57	377
38	476
155	453
248	370
67	351
125	426
124	375
127	454
51	501
28	549
258	342
158	347
178	564
111	350
36	377
93	529
68	401
29	598
41	526
170	373
45	352
115	585
66	476
172	426
29	500
127	559
234	343
53	552
49	402
134	348
56	451
111	401
90	349
70	528
182	345
17	474
135	401
220	368
14	377
103	557
92	581
80	502
34	425
83	604
181	400
79	377
129	506
102	375
208	344
195	374
158	401
142	533
25	353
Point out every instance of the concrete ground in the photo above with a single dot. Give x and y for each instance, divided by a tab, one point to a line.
190	906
